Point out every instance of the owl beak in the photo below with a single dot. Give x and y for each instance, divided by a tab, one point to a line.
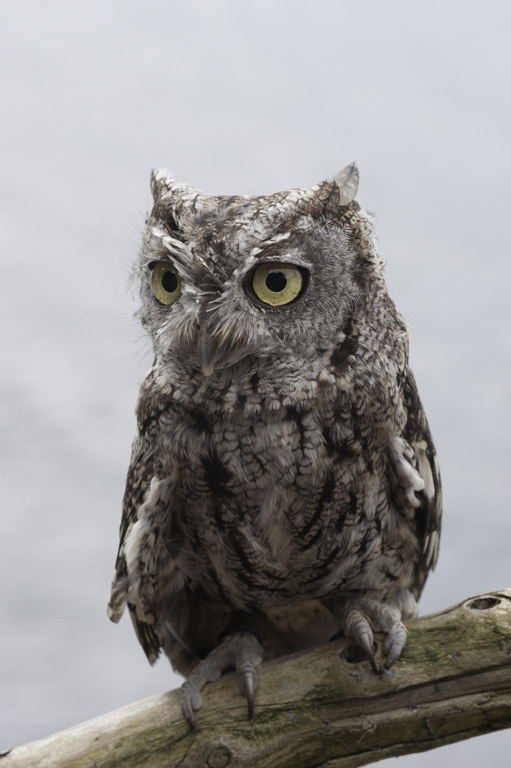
208	348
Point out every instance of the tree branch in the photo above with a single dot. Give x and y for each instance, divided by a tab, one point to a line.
324	707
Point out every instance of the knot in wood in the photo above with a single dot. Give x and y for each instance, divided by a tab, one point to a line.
220	757
354	654
483	603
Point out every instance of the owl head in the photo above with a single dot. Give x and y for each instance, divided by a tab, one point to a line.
224	278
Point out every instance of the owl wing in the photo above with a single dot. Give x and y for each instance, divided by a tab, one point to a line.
138	483
414	480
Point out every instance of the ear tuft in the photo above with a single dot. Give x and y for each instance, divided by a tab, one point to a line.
161	182
347	181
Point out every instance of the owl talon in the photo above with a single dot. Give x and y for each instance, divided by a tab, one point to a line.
248	690
358	627
187	710
239	650
366	642
207	671
247	676
394	644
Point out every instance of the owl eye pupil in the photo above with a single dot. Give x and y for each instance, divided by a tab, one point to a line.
169	281
276	282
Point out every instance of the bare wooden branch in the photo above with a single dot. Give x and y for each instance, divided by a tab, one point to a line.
321	708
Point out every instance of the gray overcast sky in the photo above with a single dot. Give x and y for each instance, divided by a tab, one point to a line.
234	97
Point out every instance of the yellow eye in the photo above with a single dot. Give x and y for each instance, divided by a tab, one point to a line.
165	282
277	284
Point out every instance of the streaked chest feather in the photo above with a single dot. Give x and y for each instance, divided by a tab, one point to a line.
269	511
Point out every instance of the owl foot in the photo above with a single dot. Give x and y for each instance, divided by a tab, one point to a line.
367	616
240	651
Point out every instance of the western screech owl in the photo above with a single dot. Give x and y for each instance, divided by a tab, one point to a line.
283	484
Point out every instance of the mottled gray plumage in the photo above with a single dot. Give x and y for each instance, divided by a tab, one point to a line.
283	484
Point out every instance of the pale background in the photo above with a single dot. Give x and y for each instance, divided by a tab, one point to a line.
234	97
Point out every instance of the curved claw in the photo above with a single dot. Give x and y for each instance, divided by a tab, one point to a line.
394	644
187	695
366	642
247	677
360	629
249	688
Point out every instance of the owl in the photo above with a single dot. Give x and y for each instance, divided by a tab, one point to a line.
283	486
